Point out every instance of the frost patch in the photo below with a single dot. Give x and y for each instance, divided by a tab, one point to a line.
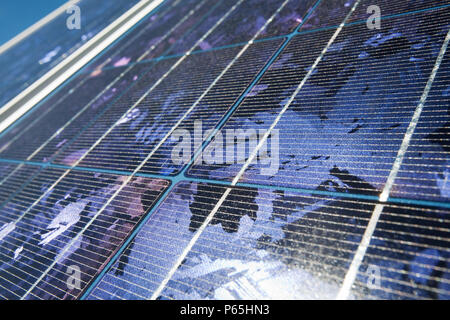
63	221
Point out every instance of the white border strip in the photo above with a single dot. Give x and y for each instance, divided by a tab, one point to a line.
77	60
350	277
36	26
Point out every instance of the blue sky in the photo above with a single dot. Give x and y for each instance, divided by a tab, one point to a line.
17	15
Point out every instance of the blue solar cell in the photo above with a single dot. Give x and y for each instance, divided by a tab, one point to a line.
262	103
61	220
131	140
424	173
260	244
328	14
217	12
51	118
76	150
410	248
14	279
289	18
346	124
245	21
13	176
156	34
112	85
242	23
6	168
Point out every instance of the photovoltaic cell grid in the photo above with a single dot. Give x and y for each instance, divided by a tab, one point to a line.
134	137
349	120
362	116
69	220
260	244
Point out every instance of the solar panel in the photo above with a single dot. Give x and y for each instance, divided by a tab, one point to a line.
31	58
336	186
